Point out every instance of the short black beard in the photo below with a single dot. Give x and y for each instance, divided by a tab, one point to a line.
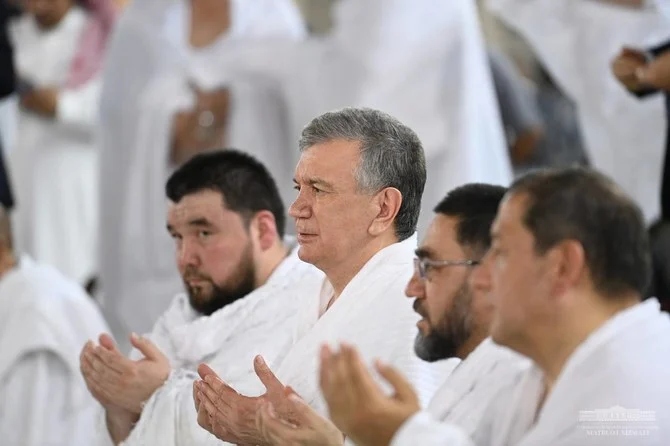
244	282
451	334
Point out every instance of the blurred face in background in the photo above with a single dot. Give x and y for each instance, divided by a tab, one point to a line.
47	13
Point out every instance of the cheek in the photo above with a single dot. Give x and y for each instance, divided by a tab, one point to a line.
437	301
334	224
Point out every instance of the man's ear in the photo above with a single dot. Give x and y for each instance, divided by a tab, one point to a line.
263	228
568	264
388	202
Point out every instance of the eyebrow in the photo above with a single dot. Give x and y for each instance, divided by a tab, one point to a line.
424	253
317	181
200	222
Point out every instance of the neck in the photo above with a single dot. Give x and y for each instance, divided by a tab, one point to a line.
7	262
340	276
552	354
272	258
470	345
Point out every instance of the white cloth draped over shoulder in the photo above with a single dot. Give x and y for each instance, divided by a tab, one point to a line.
613	391
468	391
54	165
619	373
228	340
45	320
373	314
576	41
422	61
147	76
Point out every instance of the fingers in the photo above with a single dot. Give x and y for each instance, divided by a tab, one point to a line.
402	388
107	341
146	347
94	379
269	380
207	404
356	371
111	360
196	398
203	419
217	393
656	73
325	370
633	53
204	370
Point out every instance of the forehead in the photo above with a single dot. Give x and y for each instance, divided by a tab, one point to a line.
336	159
207	204
509	220
441	238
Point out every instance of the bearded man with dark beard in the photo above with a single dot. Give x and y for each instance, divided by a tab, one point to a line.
242	282
456	311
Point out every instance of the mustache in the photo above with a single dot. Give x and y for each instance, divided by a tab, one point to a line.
194	274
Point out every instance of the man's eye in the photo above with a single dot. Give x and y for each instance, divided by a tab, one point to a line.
204	234
296	187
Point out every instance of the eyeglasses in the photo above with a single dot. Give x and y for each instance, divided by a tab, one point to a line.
423	265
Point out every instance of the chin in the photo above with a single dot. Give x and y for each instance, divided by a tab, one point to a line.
306	255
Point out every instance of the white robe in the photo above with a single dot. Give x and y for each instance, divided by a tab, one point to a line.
147	77
373	314
463	398
576	40
54	166
45	320
622	368
260	323
422	61
613	391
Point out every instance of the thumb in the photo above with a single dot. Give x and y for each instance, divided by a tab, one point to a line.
146	347
403	389
288	391
266	376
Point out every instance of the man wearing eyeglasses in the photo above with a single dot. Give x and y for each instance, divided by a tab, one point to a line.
456	312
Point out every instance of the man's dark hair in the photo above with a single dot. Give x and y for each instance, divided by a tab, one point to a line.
245	184
475	206
391	156
583	205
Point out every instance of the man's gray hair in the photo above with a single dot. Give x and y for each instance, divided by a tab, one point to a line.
391	156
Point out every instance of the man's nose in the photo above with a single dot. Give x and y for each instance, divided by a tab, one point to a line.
415	287
300	207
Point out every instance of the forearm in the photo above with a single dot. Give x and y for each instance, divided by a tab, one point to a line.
119	424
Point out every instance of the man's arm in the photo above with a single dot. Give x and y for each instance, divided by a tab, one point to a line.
35	402
120	424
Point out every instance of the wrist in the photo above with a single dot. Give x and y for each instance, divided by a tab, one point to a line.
120	423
